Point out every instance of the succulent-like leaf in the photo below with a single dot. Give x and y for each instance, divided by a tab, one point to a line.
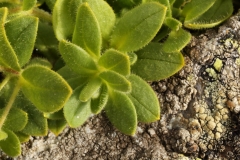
219	12
3	135
105	16
11	145
37	124
90	89
47	90
115	81
176	41
57	126
40	61
97	104
138	27
87	32
153	64
55	116
64	15
22	136
76	58
8	57
121	112
21	33
165	3
28	4
144	99
195	8
16	119
75	111
115	61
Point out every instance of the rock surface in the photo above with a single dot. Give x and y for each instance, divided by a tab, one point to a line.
200	112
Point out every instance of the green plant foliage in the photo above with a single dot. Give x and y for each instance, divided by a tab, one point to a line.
154	64
103	50
130	34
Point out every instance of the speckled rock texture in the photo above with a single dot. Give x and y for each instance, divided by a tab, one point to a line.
200	112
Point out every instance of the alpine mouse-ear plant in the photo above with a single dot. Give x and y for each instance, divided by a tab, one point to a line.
104	56
99	57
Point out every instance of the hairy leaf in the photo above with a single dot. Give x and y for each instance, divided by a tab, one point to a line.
3	135
40	61
121	112
8	57
115	81
132	57
22	136
105	16
195	8
16	119
97	104
144	100
87	32
64	15
138	27
55	116
176	41
28	4
11	145
153	64
75	111
57	126
76	58
89	89
37	124
47	90
166	4
115	61
219	12
172	23
21	33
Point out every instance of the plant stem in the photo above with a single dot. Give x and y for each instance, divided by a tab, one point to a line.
9	104
4	82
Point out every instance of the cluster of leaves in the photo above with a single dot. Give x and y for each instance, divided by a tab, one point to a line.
98	56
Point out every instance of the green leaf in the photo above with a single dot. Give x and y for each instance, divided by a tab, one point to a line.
121	112
105	16
21	33
154	64
57	126
47	90
219	12
22	137
28	4
90	89
115	61
172	23
132	57
50	3
76	58
11	145
75	111
138	27
87	32
166	4
195	8
37	124
176	41
64	15
115	81
55	116
16	119
144	99
3	135
163	32
97	104
40	61
8	58
73	79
